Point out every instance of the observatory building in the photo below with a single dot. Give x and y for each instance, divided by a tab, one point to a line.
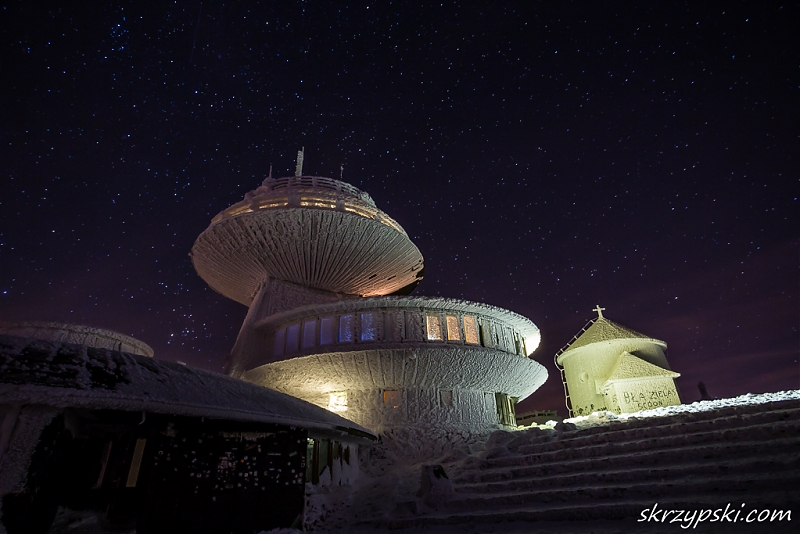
324	273
607	366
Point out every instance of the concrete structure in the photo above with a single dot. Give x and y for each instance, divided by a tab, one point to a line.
321	268
162	445
610	367
90	336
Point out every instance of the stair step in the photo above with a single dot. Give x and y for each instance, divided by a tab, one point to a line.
545	465
577	515
732	485
657	427
771	431
522	481
620	432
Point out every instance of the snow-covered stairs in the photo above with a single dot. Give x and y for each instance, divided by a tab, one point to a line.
736	455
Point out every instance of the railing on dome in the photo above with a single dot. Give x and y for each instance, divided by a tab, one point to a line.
561	351
298	191
317	182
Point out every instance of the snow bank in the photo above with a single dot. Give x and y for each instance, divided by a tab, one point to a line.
749	399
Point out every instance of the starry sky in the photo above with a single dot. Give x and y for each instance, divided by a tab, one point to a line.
545	157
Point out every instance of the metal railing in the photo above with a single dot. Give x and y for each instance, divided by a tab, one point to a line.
561	351
322	182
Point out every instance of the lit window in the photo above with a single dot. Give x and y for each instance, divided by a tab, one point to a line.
280	342
434	325
453	328
471	330
369	331
392	397
292	338
337	402
346	329
326	330
309	334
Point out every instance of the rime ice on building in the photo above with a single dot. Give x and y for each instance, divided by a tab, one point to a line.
321	268
610	367
157	444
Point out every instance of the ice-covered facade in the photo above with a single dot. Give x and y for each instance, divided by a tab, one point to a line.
610	367
323	271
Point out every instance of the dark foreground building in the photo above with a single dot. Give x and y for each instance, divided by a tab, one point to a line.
157	445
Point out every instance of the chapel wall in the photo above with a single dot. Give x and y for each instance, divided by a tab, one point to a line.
645	394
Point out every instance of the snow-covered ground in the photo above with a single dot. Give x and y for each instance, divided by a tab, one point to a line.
388	488
749	399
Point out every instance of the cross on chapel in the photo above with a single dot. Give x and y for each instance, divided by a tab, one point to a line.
599	311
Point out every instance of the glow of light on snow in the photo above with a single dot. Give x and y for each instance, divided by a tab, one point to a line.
337	401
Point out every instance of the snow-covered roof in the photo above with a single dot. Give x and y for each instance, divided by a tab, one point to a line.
603	329
67	375
630	367
76	333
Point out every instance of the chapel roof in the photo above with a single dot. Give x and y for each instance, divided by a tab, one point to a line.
602	329
629	366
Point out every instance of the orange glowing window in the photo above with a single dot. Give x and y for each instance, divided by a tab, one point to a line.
453	328
392	397
434	327
471	330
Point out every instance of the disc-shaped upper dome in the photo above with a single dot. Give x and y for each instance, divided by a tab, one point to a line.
313	231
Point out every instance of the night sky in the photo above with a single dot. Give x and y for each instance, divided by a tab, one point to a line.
545	157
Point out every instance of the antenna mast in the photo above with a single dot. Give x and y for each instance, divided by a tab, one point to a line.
299	169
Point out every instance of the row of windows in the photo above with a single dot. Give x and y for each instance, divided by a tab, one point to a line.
390	326
484	333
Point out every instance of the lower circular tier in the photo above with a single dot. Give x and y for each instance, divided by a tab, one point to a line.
460	387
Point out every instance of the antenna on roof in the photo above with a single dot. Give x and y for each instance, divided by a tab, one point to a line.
599	311
270	171
298	171
341	171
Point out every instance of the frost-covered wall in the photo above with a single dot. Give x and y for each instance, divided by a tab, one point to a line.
274	296
428	386
610	367
588	367
645	394
381	409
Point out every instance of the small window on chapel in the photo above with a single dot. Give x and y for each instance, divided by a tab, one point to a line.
434	326
453	328
471	330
